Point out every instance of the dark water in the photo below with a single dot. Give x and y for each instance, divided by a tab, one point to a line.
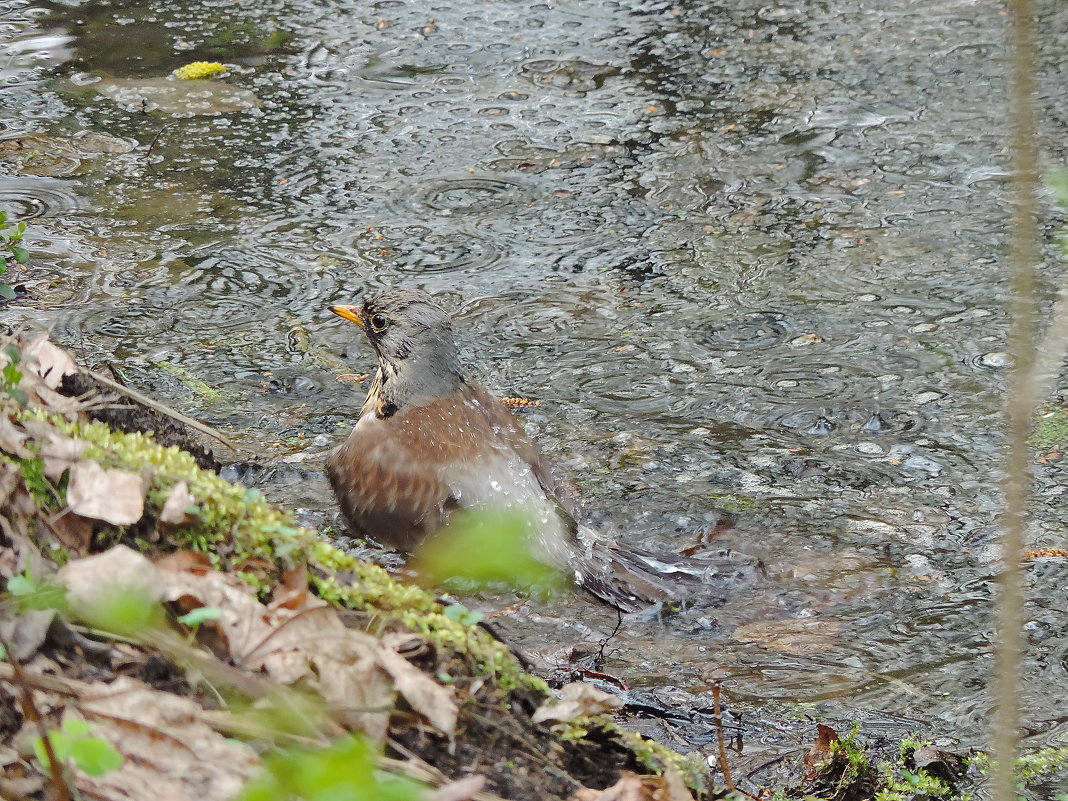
747	256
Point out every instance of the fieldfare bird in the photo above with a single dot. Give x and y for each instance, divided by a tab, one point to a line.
428	441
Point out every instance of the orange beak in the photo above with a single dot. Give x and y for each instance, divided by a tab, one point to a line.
349	313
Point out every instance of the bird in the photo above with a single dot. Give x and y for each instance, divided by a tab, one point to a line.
430	441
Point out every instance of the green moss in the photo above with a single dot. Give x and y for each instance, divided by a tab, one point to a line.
655	757
45	495
199	388
1051	429
732	503
1044	762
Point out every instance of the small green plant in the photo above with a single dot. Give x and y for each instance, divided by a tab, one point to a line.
345	770
10	236
200	615
461	614
11	374
31	593
92	755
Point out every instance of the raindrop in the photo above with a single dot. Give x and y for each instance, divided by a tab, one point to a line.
875	424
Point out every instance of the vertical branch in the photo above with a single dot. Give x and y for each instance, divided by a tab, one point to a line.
1021	398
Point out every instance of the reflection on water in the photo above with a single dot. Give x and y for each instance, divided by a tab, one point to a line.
747	257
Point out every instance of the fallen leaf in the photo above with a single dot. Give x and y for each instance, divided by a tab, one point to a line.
48	361
169	752
632	787
174	512
94	581
114	496
291	592
800	637
12	439
185	561
310	644
60	453
459	790
820	752
577	699
423	694
73	531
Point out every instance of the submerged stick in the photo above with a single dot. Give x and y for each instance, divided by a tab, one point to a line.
159	407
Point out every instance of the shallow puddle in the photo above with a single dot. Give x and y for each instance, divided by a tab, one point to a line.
749	257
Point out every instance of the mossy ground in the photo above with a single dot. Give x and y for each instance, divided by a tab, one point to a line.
239	532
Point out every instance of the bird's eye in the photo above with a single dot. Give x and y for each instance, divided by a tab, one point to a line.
379	323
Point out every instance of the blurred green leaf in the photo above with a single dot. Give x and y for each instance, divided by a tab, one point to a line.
95	756
343	772
123	611
20	254
487	547
76	727
201	615
1057	181
461	614
6	291
21	585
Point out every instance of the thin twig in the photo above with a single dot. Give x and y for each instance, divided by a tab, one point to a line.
29	710
717	716
1021	402
159	407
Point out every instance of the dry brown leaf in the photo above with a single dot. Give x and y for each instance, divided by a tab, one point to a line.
291	592
632	787
93	582
628	788
174	508
353	672
59	453
459	790
671	786
12	439
820	752
170	753
185	561
73	531
423	694
114	496
578	699
46	360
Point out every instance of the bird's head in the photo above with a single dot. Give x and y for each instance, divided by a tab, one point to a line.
412	335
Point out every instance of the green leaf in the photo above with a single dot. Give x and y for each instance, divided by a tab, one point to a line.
20	253
21	585
76	727
95	756
198	616
461	614
7	291
488	547
60	747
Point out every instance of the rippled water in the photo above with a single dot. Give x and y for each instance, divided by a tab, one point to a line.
749	257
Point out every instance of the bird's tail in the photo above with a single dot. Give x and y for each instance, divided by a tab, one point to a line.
632	579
